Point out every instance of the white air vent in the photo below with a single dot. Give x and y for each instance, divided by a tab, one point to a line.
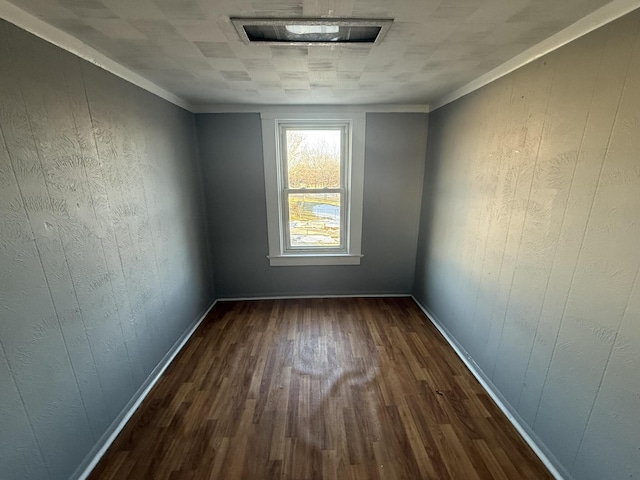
311	31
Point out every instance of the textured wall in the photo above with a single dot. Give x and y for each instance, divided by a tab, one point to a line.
103	263
231	151
529	245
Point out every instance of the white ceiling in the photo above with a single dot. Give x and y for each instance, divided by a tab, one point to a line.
191	49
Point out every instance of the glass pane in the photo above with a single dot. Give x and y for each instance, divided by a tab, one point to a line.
314	219
313	158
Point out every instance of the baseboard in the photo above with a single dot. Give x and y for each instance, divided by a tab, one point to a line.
299	297
92	459
538	447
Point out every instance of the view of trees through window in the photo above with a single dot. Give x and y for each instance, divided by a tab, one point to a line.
313	175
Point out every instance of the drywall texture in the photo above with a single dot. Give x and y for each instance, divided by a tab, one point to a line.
103	264
528	251
231	152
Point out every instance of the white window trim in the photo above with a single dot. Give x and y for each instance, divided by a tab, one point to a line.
277	255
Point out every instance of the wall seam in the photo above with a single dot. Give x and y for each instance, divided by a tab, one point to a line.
604	371
66	261
423	169
204	204
584	234
109	201
474	313
24	406
104	254
562	223
635	279
524	221
136	149
504	249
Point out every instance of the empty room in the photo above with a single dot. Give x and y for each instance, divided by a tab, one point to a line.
319	239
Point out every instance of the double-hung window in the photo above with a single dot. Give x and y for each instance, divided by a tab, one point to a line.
313	176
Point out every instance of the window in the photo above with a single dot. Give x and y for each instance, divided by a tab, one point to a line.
314	166
312	160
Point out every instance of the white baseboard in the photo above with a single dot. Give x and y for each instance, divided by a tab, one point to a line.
299	297
92	459
118	424
538	447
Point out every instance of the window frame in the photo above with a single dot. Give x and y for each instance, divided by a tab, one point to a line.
344	127
276	189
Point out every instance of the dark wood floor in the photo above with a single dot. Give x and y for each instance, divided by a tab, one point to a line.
318	388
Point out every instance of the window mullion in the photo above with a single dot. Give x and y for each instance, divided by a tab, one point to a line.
288	191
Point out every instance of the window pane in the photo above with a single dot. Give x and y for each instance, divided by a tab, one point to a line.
313	158
314	219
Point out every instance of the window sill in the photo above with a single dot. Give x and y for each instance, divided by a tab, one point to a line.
313	260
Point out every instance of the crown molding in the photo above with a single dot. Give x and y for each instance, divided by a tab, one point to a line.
378	108
606	14
51	34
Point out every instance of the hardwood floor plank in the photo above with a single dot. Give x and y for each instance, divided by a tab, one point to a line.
358	388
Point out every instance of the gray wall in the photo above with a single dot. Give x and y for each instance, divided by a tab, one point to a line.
231	152
530	244
103	263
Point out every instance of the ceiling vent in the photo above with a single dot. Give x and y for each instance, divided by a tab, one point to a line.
311	31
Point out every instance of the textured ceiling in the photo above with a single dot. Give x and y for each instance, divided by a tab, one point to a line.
191	49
